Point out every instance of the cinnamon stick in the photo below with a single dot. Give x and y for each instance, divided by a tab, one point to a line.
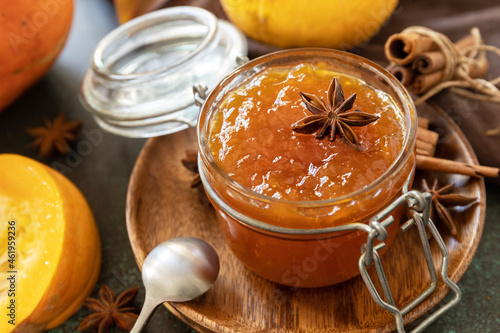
423	82
478	68
404	74
426	141
402	48
428	62
424	148
464	42
449	166
427	135
423	123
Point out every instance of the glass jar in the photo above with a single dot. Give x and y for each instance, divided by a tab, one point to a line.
141	78
273	237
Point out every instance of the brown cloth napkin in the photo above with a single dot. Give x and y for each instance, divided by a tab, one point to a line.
454	18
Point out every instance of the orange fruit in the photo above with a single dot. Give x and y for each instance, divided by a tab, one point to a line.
301	23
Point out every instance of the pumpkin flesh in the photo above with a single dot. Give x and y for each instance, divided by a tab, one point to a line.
57	244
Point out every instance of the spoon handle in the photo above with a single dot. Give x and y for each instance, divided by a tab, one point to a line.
147	309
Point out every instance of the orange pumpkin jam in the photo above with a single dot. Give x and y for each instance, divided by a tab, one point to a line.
294	180
251	136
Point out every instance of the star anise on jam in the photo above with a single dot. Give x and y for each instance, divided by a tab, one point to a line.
110	310
332	118
55	136
191	163
444	197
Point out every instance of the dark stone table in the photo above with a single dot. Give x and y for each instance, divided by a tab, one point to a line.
102	174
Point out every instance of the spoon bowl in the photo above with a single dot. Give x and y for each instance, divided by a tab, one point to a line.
177	270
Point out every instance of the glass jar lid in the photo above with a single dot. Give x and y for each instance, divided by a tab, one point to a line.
141	78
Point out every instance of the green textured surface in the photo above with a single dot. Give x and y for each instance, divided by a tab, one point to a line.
102	175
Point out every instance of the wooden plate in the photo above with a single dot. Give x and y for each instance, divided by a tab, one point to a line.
161	205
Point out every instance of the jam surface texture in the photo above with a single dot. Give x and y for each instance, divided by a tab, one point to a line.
251	136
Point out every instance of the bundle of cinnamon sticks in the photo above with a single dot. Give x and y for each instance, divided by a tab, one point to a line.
427	141
419	62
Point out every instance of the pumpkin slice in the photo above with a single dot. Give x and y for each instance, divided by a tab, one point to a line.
57	245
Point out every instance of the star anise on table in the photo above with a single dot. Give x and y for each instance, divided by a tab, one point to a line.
444	197
190	162
332	118
55	136
110	310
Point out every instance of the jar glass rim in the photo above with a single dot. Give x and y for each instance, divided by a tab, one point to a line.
198	15
398	164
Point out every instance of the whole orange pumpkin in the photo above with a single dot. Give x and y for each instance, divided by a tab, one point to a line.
32	34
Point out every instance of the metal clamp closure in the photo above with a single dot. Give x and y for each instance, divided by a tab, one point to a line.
419	211
200	93
200	89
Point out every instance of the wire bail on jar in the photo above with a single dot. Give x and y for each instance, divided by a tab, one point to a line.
419	211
